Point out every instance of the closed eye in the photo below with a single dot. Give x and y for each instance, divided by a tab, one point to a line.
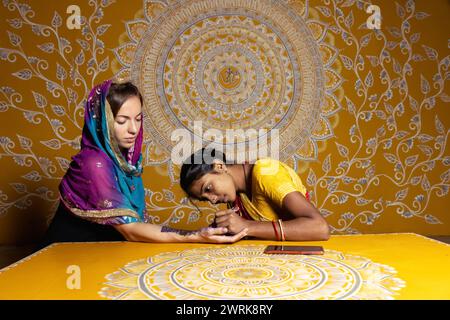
122	116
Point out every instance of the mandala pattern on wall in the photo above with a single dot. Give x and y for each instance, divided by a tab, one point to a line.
232	65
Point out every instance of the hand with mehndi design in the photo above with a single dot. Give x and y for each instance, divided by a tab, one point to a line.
147	232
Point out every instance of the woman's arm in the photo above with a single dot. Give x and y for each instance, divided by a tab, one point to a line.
307	224
146	232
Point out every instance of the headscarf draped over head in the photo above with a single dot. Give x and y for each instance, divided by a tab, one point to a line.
102	184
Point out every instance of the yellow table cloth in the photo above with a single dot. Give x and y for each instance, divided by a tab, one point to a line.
378	266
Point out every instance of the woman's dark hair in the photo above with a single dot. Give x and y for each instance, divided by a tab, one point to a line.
197	165
119	93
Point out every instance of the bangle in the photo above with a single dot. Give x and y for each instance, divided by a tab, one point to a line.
276	232
283	238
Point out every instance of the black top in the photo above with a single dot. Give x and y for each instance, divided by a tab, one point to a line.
66	227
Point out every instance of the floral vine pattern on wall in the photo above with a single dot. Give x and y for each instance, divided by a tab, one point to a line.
410	152
383	146
68	84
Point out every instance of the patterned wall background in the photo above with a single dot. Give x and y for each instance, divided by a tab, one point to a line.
362	113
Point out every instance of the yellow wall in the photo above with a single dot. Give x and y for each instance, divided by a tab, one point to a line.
41	106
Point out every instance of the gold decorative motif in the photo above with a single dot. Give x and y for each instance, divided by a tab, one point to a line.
233	65
101	214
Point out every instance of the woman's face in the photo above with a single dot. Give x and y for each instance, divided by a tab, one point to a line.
215	187
127	122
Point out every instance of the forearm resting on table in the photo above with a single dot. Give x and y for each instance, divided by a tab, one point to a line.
298	229
146	232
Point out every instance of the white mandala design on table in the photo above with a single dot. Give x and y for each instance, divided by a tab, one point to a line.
245	272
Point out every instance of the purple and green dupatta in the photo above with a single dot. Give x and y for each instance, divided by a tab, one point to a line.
102	184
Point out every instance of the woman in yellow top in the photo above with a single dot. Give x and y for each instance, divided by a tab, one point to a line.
267	197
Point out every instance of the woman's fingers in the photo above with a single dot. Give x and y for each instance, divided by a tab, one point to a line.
209	232
240	235
229	239
224	213
222	219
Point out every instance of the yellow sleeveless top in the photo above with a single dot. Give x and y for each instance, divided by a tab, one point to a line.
272	180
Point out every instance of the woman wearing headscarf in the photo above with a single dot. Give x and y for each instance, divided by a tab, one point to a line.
102	194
